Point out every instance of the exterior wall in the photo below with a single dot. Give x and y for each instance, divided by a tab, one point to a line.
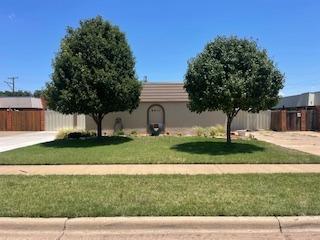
55	121
178	118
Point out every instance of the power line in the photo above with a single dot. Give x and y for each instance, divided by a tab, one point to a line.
11	83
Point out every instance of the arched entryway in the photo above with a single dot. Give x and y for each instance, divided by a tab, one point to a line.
156	116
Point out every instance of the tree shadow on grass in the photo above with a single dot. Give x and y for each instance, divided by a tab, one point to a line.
217	148
87	143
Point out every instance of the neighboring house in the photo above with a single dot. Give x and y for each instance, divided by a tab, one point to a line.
164	105
302	101
298	112
21	114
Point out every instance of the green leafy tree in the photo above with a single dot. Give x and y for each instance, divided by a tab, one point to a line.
38	93
18	93
94	72
230	75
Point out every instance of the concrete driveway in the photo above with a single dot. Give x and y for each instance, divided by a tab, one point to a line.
305	141
13	140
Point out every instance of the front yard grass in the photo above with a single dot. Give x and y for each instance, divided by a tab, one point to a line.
160	195
113	150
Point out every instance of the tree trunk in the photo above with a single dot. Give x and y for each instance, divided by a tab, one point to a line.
99	127
98	120
229	121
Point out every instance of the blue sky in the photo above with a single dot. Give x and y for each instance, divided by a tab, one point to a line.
163	35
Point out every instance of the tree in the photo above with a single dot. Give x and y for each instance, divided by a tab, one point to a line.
93	73
230	75
18	93
38	93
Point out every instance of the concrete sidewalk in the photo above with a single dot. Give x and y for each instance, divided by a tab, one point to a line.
143	169
14	140
161	228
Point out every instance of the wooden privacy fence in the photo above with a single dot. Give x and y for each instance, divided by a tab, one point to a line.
22	120
296	120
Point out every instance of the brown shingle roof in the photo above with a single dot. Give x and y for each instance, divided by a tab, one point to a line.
163	92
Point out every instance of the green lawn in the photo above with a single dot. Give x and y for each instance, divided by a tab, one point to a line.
160	195
111	150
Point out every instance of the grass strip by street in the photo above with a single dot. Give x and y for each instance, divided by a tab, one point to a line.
145	150
160	195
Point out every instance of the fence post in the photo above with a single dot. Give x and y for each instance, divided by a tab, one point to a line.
42	120
75	121
283	120
317	112
303	120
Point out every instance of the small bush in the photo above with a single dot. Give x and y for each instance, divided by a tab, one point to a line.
216	131
63	133
200	131
134	133
74	134
119	133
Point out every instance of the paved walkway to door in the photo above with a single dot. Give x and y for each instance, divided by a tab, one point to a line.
143	169
12	140
305	141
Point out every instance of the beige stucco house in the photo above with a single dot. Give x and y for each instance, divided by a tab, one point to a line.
164	104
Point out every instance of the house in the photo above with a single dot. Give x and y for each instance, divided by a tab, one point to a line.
164	106
21	114
298	112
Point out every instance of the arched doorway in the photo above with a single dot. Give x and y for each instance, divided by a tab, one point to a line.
156	116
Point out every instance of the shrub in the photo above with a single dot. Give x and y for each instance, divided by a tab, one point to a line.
200	131
74	134
118	133
134	132
63	133
216	131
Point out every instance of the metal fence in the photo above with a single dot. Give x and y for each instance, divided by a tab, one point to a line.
252	121
55	121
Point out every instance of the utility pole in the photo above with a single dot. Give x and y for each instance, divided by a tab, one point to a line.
11	83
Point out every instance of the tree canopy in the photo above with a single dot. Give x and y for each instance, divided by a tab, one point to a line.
21	93
94	72
18	93
232	74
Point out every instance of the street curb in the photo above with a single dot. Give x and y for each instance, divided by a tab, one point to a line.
168	224
294	224
31	224
211	224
